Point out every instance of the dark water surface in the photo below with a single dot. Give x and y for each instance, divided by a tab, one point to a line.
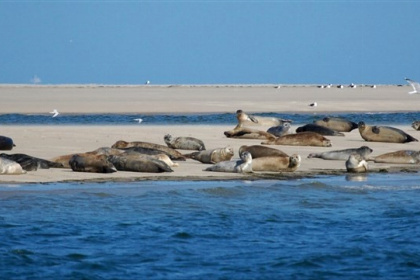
178	119
326	227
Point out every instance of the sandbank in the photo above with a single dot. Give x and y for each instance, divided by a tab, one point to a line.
51	141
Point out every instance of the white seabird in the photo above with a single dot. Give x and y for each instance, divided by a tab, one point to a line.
414	85
55	113
138	120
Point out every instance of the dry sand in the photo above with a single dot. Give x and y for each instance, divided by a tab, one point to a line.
51	141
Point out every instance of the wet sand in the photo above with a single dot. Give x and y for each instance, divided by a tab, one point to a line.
51	141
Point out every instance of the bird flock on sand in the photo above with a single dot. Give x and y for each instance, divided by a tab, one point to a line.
140	156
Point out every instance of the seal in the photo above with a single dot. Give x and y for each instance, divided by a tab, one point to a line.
248	133
276	164
244	165
356	164
8	166
6	143
279	130
337	124
89	162
136	163
384	134
184	143
258	151
364	151
401	156
300	139
247	119
318	129
416	125
30	163
172	153
212	156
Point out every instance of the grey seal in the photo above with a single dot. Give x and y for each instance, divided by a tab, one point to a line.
91	163
401	156
184	143
276	163
258	151
279	130
300	139
416	125
136	163
172	153
6	143
8	166
244	165
337	124
356	164
30	163
213	155
318	129
364	151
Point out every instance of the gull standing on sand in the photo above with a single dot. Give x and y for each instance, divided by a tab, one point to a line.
55	113
414	85
313	104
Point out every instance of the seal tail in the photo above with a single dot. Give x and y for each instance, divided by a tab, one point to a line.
410	139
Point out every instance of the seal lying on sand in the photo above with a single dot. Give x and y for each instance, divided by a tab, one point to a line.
402	157
172	153
301	139
337	124
244	118
139	163
416	125
212	156
276	163
356	164
258	151
30	163
318	129
244	165
384	134
91	163
279	130
248	133
6	143
184	143
364	151
8	166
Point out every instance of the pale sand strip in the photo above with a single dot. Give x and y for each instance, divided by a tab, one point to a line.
50	141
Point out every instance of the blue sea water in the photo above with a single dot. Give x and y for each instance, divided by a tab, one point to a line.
326	227
399	118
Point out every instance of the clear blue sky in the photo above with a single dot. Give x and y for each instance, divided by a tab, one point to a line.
209	42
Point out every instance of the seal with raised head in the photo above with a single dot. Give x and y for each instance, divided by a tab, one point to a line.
384	134
337	124
8	166
401	157
258	151
311	127
248	133
172	153
276	164
416	125
356	164
30	163
6	143
88	162
247	119
364	151
244	165
300	139
212	156
142	163
279	130
184	143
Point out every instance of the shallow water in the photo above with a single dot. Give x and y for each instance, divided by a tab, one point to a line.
404	118
327	227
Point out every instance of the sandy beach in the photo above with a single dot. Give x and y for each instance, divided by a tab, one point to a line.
50	141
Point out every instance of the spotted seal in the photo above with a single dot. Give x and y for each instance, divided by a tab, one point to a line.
184	143
401	156
337	124
213	155
301	139
276	163
6	143
384	134
262	151
356	164
311	127
244	165
8	166
364	151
